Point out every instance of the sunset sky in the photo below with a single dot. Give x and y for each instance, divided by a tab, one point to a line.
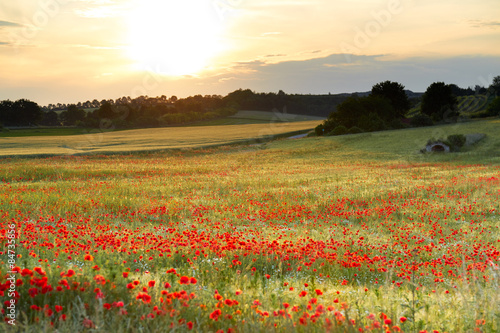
76	50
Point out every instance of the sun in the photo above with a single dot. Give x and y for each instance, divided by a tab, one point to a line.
173	37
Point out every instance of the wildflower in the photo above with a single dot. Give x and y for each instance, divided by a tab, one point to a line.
87	323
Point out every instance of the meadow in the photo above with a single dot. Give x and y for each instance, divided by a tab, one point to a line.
353	233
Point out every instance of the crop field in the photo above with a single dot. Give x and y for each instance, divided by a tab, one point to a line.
258	117
355	233
101	142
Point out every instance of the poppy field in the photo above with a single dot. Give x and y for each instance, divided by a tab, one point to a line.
282	236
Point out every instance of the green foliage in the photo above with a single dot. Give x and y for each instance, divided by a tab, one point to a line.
319	130
354	130
395	93
49	118
339	130
72	115
368	113
421	120
372	122
20	113
456	141
494	108
439	102
495	86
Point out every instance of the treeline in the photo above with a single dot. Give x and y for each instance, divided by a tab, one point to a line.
124	112
387	105
384	107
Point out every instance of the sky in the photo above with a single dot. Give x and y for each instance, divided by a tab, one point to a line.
68	51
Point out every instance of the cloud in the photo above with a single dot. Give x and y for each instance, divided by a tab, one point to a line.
99	9
9	24
271	33
482	24
4	43
345	73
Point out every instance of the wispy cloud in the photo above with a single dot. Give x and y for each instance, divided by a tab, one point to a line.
271	33
482	24
99	9
9	24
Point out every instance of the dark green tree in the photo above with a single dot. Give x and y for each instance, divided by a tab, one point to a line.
439	102
72	115
395	93
495	86
494	107
50	118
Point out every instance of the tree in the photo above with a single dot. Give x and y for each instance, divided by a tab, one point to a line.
395	92
72	115
369	113
494	107
495	86
50	118
439	102
20	113
7	115
27	112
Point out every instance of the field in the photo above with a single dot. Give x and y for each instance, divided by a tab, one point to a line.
101	142
258	117
352	233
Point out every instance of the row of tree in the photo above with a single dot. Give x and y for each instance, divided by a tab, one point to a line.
384	107
388	103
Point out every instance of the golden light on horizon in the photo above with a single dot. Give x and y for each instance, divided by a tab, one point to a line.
173	38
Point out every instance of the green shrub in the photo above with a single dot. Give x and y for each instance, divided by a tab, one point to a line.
339	130
494	108
319	130
371	123
456	141
421	120
354	130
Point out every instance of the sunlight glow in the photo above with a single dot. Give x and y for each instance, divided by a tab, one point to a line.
173	37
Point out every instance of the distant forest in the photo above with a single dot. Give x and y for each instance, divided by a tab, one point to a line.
144	111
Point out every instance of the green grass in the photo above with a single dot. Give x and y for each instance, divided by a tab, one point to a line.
304	210
43	131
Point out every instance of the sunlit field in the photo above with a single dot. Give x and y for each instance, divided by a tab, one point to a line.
148	139
341	234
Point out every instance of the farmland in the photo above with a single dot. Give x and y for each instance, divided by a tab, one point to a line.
101	141
347	233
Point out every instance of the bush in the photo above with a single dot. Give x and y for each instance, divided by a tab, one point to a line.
397	124
421	120
456	141
494	107
371	123
354	130
319	130
339	130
